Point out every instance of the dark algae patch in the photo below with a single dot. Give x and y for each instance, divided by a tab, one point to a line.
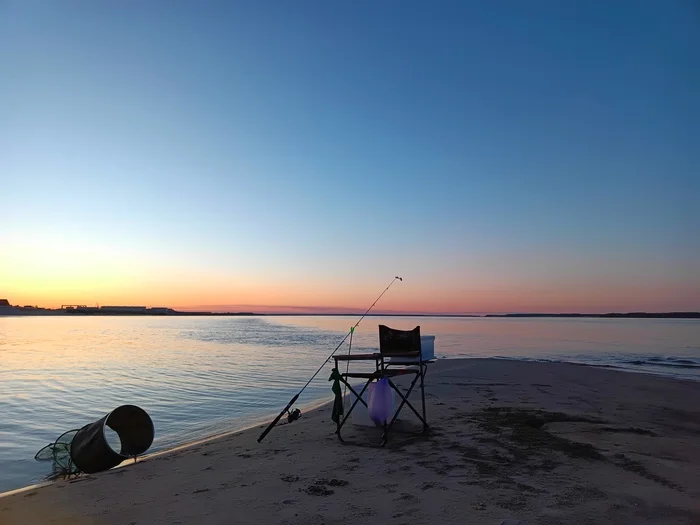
526	428
523	433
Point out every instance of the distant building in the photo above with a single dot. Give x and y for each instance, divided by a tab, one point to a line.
160	311
4	302
124	309
79	309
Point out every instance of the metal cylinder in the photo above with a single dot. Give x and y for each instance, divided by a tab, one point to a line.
90	450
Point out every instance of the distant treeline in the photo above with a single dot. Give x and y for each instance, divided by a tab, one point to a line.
630	315
171	313
633	315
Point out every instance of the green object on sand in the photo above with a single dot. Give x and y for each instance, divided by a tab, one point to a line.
338	403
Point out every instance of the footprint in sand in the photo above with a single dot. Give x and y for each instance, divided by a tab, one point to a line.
318	490
319	487
332	482
290	479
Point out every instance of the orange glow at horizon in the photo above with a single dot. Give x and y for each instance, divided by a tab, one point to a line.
50	274
212	295
149	171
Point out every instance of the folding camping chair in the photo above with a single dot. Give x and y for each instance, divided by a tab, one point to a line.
399	354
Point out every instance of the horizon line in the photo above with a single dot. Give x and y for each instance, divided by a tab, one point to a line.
266	309
300	311
339	310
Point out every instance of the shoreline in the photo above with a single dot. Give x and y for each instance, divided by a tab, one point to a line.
263	420
14	311
610	448
317	405
620	368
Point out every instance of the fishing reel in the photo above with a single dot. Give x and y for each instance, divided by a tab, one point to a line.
293	415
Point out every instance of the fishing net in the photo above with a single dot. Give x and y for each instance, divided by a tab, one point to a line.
125	433
58	452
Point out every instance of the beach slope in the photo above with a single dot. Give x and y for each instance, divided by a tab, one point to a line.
546	443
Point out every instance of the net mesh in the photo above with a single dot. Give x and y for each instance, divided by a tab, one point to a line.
58	453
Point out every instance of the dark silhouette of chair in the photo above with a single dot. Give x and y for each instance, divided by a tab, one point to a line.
399	355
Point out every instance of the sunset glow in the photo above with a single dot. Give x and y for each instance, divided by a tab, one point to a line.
194	161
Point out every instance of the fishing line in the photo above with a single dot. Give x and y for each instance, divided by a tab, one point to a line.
347	365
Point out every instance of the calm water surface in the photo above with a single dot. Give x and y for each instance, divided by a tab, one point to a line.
197	376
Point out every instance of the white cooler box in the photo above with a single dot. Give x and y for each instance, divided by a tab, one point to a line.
427	346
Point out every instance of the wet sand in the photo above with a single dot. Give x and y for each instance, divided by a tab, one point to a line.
545	443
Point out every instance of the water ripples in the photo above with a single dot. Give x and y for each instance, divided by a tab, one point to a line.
197	376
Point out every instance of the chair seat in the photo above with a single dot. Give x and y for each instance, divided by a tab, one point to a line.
358	357
378	374
360	375
403	362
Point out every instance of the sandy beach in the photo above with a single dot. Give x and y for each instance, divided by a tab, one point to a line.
544	443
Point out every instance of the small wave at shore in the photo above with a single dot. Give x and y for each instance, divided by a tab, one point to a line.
679	368
665	362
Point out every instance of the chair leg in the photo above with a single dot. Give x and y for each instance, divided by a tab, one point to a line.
422	394
358	397
398	410
404	401
385	435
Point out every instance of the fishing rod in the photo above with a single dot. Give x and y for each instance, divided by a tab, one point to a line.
296	413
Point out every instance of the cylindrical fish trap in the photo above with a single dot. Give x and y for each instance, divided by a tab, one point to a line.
90	450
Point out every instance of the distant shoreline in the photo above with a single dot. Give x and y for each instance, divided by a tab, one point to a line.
26	312
613	315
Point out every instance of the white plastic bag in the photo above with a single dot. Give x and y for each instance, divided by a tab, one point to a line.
381	402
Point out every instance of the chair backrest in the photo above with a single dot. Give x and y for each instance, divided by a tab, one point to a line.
399	343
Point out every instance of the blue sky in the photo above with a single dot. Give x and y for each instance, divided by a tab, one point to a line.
310	150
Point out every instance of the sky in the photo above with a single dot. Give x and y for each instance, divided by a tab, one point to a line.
294	156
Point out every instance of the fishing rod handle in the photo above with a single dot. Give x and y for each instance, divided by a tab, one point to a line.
276	420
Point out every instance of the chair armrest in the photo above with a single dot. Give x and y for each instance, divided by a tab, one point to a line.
358	357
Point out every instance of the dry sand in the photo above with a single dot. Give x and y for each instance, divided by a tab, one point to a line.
546	443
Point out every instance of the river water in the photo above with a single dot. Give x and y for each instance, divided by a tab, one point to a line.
198	376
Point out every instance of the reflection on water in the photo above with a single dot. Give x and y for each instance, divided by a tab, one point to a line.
200	375
113	440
